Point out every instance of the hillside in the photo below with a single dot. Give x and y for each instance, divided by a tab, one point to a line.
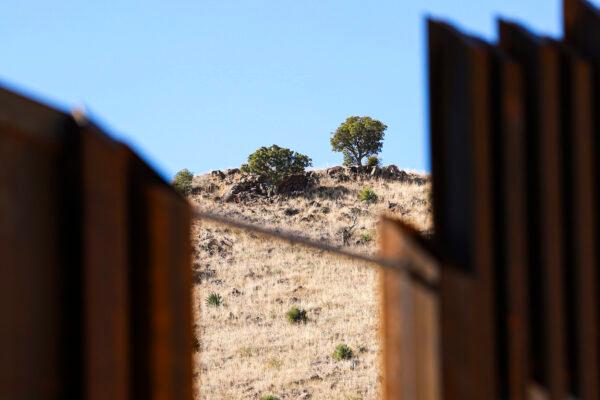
247	348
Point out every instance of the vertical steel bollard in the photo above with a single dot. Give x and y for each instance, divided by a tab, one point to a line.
410	319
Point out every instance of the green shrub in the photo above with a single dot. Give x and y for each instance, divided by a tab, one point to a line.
373	161
276	163
183	182
342	352
214	300
366	237
367	195
269	397
296	315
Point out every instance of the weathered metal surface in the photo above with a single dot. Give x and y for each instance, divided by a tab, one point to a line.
582	67
170	329
410	324
105	260
510	160
540	63
537	122
38	299
459	68
580	235
73	255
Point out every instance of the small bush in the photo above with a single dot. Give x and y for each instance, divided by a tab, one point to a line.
367	195
182	182
373	161
342	352
276	163
269	397
274	363
296	315
366	237
245	352
214	300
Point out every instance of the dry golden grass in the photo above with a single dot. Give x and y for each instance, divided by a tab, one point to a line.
247	347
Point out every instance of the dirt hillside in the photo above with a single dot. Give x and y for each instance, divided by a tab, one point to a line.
245	284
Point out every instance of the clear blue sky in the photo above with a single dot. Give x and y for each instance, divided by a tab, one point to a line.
200	84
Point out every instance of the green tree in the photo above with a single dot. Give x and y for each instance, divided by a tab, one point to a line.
183	182
276	163
357	138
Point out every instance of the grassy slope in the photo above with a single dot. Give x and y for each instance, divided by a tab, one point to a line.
247	347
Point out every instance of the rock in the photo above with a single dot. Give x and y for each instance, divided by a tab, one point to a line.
334	171
232	171
248	184
231	194
390	172
342	178
209	188
294	183
218	174
291	211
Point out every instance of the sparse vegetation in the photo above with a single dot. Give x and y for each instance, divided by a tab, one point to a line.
296	315
342	352
214	300
373	161
367	195
357	138
366	237
260	280
274	363
269	397
183	182
276	163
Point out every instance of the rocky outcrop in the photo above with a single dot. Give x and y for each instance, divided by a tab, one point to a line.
389	172
248	183
235	185
296	183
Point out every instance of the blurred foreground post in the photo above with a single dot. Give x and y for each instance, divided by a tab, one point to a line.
410	318
95	292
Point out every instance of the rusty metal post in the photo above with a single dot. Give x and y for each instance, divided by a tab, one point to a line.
410	319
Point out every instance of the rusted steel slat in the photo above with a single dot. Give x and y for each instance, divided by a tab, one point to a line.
581	232
459	68
39	350
410	320
586	232
581	21
582	32
170	336
512	271
539	60
105	260
160	287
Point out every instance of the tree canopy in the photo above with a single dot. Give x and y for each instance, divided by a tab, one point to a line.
357	138
276	163
183	181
